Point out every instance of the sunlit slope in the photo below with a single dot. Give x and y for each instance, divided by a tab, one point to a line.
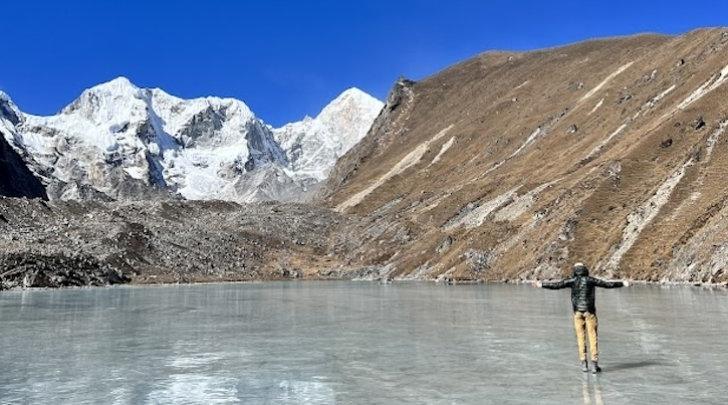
513	165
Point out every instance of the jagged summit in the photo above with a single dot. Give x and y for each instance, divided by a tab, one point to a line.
4	96
8	110
16	179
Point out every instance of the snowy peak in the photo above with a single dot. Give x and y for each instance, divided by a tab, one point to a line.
121	101
118	85
313	145
350	115
350	98
110	97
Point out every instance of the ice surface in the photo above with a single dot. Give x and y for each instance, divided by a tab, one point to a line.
358	343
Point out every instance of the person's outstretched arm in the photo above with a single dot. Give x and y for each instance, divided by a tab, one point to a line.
556	285
609	284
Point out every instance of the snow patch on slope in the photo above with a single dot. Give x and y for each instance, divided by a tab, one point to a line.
713	83
604	143
443	149
531	138
408	161
596	107
504	207
638	220
605	81
521	204
660	96
713	139
473	218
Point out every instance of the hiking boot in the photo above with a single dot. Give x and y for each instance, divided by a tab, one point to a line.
584	366
595	368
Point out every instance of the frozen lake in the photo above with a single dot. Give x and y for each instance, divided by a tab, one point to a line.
357	343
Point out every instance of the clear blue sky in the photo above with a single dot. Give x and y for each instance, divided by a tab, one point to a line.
286	59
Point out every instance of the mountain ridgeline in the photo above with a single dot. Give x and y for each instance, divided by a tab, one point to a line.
121	142
511	166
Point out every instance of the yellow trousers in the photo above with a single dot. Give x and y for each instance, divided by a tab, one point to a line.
585	323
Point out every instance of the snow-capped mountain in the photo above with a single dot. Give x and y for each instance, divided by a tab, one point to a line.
314	144
16	180
123	141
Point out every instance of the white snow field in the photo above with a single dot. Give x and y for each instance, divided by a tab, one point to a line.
358	343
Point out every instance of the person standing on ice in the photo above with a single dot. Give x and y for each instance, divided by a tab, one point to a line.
585	311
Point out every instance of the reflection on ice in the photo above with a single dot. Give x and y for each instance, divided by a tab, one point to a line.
592	389
305	392
195	388
194	361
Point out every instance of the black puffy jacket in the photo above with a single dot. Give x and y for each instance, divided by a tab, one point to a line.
582	288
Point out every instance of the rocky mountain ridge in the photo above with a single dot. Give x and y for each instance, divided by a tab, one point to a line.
511	166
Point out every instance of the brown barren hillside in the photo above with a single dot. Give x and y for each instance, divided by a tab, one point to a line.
514	165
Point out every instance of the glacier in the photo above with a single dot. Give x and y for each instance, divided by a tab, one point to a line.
120	141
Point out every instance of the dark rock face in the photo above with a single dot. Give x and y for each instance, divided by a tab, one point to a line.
8	112
203	127
262	150
55	270
16	180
